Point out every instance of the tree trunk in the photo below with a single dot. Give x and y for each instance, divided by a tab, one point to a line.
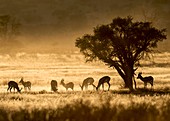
130	82
126	82
121	74
127	76
134	82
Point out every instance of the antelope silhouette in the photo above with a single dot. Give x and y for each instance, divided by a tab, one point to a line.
68	85
103	80
148	79
54	85
14	85
86	82
25	84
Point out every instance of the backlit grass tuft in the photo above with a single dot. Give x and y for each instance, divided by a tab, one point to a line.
84	106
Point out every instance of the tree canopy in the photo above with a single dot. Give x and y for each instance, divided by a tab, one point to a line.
121	44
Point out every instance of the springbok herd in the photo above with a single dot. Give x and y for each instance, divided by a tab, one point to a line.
86	82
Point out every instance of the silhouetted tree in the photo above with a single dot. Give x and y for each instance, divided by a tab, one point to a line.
121	44
9	30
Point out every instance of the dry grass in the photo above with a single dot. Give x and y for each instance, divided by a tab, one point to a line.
40	104
84	106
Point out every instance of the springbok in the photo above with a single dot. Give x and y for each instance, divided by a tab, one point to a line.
54	85
25	84
13	84
103	80
86	82
148	79
68	85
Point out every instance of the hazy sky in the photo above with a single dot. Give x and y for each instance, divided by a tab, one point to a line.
57	23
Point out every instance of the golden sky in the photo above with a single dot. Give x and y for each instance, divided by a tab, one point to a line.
57	23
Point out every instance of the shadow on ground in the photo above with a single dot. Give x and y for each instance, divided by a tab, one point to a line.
142	91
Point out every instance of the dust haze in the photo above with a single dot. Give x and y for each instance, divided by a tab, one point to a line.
53	25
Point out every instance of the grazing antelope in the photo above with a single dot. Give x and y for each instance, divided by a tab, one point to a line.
148	79
25	84
54	85
103	80
68	85
86	82
13	84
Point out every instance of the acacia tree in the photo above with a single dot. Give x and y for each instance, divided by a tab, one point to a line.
121	44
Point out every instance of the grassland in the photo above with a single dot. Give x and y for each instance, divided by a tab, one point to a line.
84	106
41	104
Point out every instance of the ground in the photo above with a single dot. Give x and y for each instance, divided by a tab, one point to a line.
117	104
